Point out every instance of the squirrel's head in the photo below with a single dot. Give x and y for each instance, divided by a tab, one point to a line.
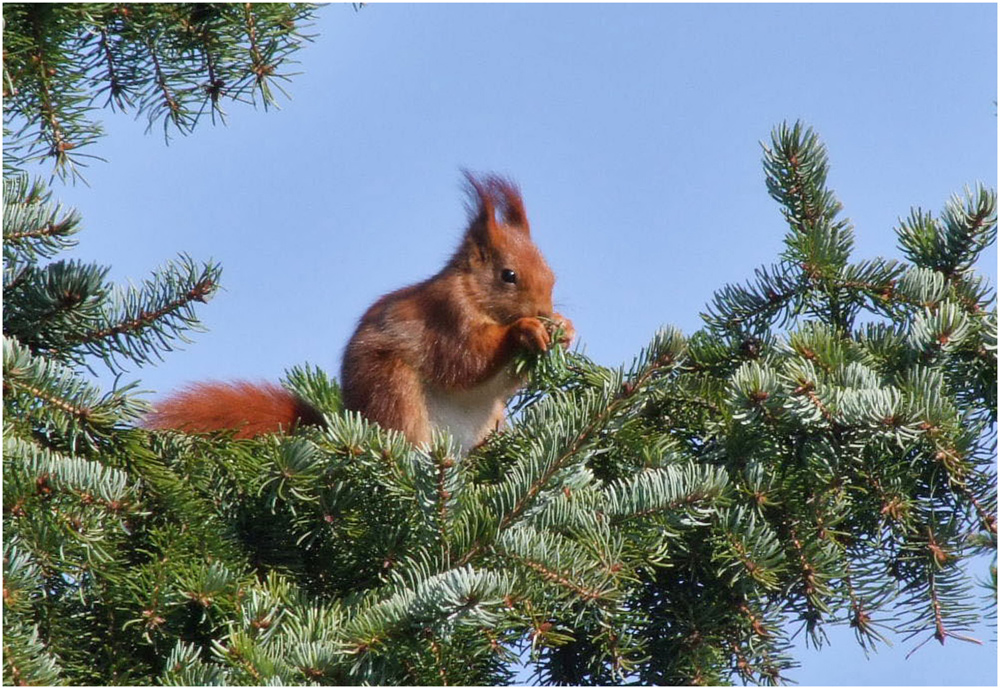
507	275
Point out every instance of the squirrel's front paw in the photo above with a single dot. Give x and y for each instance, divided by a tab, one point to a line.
568	333
530	333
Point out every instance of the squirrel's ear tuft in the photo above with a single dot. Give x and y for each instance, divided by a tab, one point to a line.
507	198
492	198
479	201
483	230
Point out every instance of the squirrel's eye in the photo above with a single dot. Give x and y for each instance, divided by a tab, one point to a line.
508	275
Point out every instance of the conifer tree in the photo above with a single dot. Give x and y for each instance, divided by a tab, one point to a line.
821	452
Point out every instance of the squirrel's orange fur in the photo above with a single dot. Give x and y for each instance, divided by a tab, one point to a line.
249	409
434	354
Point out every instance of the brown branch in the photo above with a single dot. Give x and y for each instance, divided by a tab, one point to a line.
561	579
48	230
807	388
146	318
436	650
443	497
260	68
989	520
115	87
775	301
80	412
161	81
692	499
810	583
46	103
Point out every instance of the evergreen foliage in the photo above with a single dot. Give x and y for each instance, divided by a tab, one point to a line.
821	452
173	62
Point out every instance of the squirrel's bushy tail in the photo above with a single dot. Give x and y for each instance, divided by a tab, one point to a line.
249	409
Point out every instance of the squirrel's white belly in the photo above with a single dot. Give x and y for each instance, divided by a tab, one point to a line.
469	415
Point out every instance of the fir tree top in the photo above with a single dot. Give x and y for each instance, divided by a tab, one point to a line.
820	452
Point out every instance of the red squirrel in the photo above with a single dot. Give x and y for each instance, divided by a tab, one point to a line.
432	355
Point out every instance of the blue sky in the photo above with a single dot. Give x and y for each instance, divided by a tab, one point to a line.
634	132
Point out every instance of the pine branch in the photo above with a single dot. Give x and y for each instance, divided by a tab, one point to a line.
967	227
157	59
91	481
64	306
561	435
314	386
33	227
51	398
558	561
687	494
796	168
55	302
26	659
138	324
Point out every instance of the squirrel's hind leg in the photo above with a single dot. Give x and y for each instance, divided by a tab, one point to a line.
393	396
